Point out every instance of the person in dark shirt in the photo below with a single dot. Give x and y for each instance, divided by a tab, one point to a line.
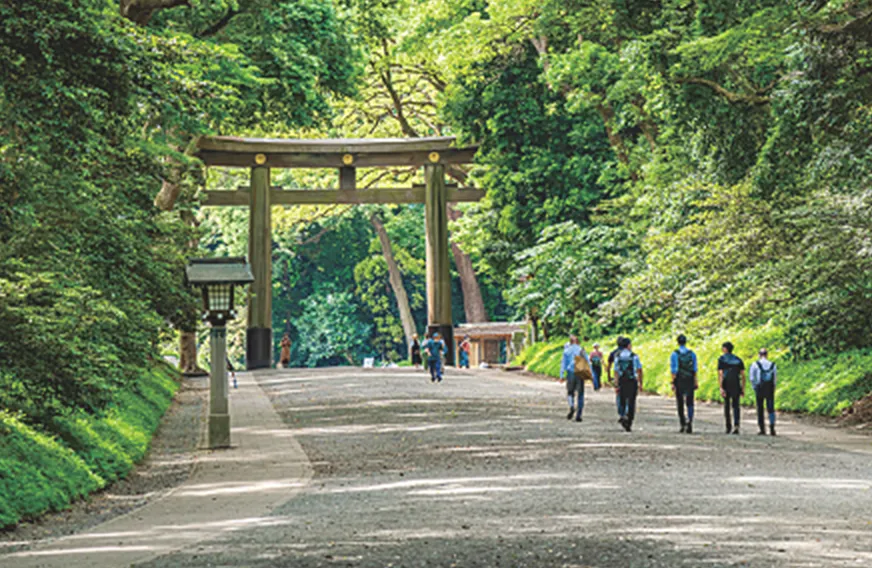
610	362
731	376
683	366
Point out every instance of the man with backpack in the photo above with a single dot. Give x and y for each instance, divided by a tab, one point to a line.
731	377
435	350
575	368
763	374
628	374
683	366
610	362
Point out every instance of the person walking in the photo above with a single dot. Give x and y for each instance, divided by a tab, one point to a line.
435	350
731	377
610	362
628	375
285	356
683	365
763	376
596	366
415	351
232	371
463	349
574	365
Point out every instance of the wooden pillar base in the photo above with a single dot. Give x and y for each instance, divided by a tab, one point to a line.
258	348
447	333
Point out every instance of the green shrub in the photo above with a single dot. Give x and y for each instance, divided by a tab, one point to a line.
825	385
46	471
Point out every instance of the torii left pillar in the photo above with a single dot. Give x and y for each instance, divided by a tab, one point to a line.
258	339
438	267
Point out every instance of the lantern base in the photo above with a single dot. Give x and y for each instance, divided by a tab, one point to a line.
219	431
258	348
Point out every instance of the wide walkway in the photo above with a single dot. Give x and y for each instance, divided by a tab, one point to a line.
485	470
230	490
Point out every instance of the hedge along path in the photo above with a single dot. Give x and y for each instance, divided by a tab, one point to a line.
228	490
78	453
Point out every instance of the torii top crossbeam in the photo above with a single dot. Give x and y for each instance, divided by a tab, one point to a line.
331	153
346	155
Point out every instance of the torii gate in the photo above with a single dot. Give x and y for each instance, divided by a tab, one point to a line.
260	155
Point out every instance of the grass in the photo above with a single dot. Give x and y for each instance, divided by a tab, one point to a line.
47	470
826	385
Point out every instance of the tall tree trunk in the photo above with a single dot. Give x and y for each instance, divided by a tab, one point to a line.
395	278
473	303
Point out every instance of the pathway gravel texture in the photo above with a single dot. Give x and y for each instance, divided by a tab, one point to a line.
485	470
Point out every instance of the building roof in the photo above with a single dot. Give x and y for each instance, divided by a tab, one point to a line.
490	329
230	270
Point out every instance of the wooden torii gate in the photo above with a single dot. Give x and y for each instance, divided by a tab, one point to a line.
261	155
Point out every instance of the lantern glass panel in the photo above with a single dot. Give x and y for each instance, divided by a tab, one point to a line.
219	297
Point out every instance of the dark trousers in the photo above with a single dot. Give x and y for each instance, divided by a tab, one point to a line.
731	401
435	366
627	402
765	392
681	399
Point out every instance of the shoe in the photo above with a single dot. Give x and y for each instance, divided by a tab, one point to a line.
772	430
762	432
571	413
736	430
628	426
682	430
440	380
729	430
689	429
625	423
578	418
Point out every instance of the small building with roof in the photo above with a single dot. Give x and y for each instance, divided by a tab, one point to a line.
494	343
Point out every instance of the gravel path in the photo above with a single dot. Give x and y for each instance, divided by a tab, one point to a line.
485	470
168	464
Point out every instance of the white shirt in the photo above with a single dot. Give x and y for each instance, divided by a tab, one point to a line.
755	370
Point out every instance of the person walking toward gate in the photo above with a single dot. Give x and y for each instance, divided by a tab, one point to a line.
435	350
731	377
596	366
415	351
575	368
463	349
683	366
628	375
285	356
610	363
763	375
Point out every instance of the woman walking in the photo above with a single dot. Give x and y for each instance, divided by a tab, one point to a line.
415	351
285	356
465	346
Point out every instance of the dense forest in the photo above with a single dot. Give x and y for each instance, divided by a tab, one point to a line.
650	166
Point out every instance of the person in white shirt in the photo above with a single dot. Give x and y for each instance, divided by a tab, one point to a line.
763	377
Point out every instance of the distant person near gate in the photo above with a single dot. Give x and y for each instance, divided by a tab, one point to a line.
731	376
763	375
628	375
596	366
415	351
464	349
575	368
285	356
435	350
684	368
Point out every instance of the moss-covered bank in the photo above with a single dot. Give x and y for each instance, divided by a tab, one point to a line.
46	470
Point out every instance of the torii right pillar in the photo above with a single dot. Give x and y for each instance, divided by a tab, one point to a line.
438	267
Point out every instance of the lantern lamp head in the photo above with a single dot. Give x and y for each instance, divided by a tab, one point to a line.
217	278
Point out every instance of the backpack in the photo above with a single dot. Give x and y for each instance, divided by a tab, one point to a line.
731	373
596	361
625	366
685	365
766	375
582	369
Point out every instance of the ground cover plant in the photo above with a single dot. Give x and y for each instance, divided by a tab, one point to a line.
45	468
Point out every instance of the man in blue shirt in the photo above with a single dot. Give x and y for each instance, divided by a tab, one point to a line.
435	349
685	381
574	383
